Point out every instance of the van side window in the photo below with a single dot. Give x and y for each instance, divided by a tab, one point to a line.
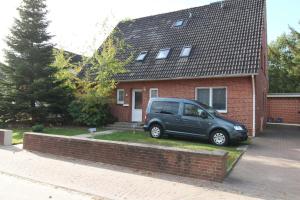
192	110
165	107
156	107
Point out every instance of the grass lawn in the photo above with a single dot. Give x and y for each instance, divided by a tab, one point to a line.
143	137
18	133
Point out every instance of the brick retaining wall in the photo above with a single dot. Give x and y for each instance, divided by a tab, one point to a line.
208	165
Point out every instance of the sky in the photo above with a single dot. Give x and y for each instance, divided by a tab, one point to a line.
77	24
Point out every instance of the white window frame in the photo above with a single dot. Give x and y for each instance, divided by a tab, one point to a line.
162	58
120	102
150	90
142	52
211	96
185	47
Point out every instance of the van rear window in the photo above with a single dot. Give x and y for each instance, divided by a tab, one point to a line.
165	107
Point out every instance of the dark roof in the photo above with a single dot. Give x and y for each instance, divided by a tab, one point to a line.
226	41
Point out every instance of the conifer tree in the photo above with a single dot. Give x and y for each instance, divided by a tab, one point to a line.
29	89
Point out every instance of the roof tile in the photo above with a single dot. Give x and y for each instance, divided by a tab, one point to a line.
225	41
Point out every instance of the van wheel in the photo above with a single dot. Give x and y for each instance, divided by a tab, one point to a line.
156	131
219	138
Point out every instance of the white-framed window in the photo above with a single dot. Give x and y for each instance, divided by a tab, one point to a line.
120	96
163	53
141	56
178	23
215	97
186	51
153	93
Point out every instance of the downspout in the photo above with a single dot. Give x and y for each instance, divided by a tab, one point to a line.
253	106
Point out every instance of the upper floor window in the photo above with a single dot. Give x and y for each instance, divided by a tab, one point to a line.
120	96
142	56
214	97
186	51
178	23
163	53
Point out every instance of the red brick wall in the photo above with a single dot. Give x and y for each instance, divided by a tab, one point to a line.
1	137
239	95
286	108
197	164
261	90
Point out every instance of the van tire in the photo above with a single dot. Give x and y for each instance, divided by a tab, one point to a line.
156	131
219	138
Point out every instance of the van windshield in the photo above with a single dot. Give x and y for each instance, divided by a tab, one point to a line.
208	109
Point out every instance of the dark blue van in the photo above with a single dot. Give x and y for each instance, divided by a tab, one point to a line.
191	118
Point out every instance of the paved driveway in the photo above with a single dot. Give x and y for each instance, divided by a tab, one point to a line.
271	167
269	170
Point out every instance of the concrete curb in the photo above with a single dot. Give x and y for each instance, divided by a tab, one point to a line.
242	148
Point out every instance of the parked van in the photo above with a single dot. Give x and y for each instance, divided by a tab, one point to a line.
191	118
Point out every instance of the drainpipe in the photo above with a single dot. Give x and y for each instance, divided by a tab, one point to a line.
253	106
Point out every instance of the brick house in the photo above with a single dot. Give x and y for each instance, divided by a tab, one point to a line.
214	53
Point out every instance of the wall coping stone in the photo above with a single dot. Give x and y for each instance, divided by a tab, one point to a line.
220	153
6	137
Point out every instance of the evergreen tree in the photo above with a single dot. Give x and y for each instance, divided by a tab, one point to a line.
30	90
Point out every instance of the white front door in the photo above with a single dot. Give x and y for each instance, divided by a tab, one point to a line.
137	99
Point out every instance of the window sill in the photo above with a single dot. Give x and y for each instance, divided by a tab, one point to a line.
222	111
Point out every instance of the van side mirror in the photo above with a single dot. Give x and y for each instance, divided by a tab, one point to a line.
204	115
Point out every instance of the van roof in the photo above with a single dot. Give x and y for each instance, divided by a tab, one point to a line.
174	100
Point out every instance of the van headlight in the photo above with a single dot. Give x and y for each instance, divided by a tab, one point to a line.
238	128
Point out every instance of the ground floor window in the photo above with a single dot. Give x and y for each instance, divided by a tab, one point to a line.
120	96
215	97
153	93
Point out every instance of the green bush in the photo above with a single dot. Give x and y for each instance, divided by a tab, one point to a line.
38	128
91	110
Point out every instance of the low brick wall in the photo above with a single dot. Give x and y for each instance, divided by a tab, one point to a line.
5	137
208	165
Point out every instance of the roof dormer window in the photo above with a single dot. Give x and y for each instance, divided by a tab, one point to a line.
163	53
142	56
186	51
178	23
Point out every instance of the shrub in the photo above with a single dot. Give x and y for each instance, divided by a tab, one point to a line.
38	128
91	110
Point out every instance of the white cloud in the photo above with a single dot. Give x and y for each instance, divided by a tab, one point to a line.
76	24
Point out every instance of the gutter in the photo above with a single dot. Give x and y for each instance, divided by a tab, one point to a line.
189	78
253	106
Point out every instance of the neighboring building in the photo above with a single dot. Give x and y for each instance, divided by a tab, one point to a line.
214	53
284	108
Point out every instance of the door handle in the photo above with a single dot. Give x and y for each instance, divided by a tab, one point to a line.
177	119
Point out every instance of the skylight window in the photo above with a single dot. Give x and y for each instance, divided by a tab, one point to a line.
186	51
178	23
142	56
163	53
